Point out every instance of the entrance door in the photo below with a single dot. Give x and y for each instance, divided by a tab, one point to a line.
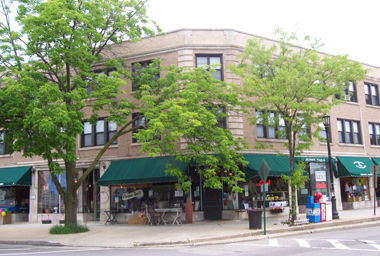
212	204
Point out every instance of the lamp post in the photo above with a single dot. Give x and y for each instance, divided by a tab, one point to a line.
326	123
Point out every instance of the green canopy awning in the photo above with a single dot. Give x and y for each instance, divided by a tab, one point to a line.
278	165
354	166
376	160
140	170
16	176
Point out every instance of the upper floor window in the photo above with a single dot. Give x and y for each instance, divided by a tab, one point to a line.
137	69
138	123
322	132
371	94
215	61
350	92
374	133
349	131
3	148
92	84
99	133
270	126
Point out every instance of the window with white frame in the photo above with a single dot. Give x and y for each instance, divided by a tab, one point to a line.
270	126
374	133
349	131
322	132
210	61
99	133
371	94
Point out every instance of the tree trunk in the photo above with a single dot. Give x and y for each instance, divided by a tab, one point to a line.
71	199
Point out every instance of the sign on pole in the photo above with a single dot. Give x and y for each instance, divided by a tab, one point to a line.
264	173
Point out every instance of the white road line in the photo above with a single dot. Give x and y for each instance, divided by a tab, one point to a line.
303	243
49	252
273	242
337	244
372	243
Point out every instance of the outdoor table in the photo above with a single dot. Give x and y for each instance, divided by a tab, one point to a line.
111	216
164	217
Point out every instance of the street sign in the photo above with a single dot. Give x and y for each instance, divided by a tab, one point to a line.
264	171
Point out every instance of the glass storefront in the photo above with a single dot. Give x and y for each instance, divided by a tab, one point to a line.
15	198
49	200
137	198
354	189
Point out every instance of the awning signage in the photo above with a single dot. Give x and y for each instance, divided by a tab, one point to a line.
354	166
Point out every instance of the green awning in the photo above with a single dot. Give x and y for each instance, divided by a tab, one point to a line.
354	166
16	176
376	160
140	170
278	165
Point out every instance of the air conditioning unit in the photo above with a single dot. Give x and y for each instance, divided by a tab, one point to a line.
347	97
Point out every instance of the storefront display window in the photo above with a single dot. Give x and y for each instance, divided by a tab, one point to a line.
49	200
354	189
15	198
277	194
137	198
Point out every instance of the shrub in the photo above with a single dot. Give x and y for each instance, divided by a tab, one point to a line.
67	229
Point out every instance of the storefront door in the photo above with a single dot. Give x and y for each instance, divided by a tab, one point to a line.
212	204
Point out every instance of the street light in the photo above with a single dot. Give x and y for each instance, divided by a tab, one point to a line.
326	123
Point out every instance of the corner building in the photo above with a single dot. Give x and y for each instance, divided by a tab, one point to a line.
128	183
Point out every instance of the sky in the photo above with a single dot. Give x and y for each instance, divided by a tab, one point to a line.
349	27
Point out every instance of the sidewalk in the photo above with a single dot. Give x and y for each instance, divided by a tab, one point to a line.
101	235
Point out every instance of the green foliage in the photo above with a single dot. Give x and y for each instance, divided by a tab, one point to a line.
298	84
49	76
67	229
183	108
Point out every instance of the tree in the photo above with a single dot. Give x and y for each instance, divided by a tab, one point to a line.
48	78
190	111
298	85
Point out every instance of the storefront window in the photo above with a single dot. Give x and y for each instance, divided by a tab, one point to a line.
49	200
277	194
15	198
136	198
354	189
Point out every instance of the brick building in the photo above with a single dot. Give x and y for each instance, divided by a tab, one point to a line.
355	146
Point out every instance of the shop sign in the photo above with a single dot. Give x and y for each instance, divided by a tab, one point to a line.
320	185
137	193
315	159
320	176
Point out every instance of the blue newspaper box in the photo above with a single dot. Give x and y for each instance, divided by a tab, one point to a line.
313	212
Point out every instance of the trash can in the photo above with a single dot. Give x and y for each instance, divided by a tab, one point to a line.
254	218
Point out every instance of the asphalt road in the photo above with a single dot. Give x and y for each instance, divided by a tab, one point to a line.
358	241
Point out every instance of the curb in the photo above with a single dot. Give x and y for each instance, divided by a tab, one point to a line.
257	235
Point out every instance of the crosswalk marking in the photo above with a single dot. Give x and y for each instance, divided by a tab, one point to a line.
303	243
273	242
372	243
337	244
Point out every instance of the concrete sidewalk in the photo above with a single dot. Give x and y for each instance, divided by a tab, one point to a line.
101	235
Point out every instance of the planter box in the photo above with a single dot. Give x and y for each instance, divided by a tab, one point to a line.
137	220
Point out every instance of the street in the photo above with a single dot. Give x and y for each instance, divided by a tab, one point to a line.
365	241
